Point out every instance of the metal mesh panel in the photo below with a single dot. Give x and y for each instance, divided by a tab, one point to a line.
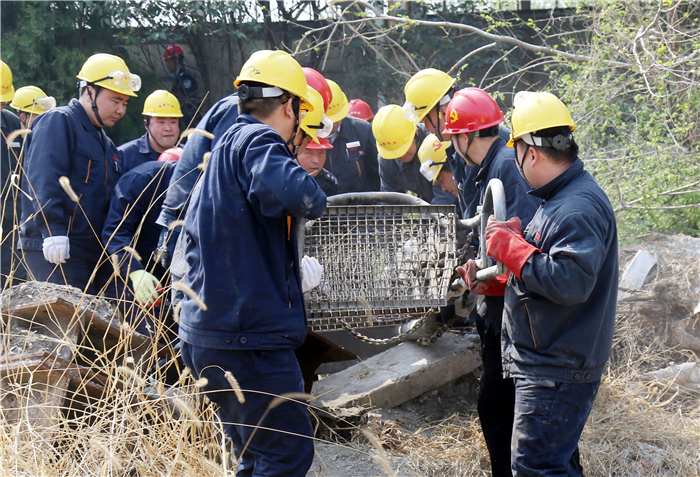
395	260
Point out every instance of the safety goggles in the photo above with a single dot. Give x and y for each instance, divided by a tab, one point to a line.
430	169
121	80
411	111
42	103
324	129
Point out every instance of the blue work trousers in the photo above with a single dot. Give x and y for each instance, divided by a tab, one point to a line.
496	400
549	419
277	437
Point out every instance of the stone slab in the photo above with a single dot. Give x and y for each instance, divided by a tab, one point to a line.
397	375
636	273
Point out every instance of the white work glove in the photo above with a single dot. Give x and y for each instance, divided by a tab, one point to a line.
56	249
465	304
311	273
458	291
147	288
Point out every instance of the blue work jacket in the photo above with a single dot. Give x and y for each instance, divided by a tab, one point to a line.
217	121
10	204
136	152
133	210
558	321
240	244
499	163
353	159
64	142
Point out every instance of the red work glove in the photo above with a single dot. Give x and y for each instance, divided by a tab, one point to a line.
505	243
493	287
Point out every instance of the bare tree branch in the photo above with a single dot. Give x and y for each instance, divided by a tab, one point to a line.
500	39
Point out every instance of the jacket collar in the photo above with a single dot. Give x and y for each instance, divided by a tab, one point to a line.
144	146
551	188
82	116
486	163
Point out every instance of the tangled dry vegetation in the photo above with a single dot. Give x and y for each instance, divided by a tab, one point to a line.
640	425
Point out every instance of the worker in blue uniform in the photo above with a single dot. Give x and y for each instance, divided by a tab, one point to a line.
71	169
162	114
131	226
215	123
353	159
30	102
10	205
244	269
185	87
473	120
398	141
561	294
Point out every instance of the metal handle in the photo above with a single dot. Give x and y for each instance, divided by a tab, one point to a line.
494	204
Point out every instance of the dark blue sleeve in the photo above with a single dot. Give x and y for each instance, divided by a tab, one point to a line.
387	174
567	274
128	207
277	184
49	159
217	121
372	182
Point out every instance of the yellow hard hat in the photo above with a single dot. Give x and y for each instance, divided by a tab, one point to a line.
8	91
338	108
432	155
30	99
537	111
109	72
315	123
162	104
392	131
423	91
276	68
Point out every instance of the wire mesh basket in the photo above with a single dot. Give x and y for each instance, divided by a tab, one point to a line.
383	264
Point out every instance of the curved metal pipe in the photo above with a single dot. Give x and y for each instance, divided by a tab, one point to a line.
494	203
370	198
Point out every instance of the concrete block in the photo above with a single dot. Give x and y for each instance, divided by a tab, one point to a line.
635	273
397	375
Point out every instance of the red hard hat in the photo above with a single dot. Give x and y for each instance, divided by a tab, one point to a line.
323	144
172	50
471	109
360	109
315	80
172	154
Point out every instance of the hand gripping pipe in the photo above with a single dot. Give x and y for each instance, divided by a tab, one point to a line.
494	204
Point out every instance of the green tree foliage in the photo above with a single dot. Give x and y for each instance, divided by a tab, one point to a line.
637	105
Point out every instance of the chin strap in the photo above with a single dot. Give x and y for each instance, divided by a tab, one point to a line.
465	153
522	163
148	130
94	107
